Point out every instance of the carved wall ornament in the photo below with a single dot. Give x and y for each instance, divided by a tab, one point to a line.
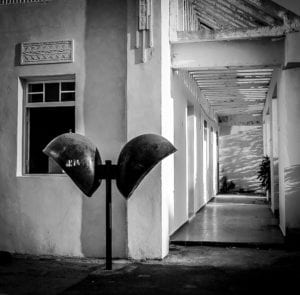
144	32
9	2
47	52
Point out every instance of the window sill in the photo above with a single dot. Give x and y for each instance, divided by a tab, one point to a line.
42	175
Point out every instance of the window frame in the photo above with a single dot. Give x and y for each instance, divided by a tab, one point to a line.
45	104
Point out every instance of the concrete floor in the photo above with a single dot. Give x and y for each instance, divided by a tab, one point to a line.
186	270
232	220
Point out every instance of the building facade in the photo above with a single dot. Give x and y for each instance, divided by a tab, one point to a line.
112	70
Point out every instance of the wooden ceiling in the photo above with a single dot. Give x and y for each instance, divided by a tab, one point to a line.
235	90
215	15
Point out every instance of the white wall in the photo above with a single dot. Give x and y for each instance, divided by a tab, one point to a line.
180	158
148	99
289	142
191	159
281	127
184	95
199	187
289	139
274	157
215	162
47	214
241	151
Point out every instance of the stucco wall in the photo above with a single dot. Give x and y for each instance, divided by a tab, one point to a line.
146	93
289	156
288	138
240	152
203	181
45	214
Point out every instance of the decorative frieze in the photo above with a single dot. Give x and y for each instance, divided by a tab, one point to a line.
144	32
8	2
47	52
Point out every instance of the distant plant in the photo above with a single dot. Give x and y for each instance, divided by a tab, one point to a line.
264	174
223	184
226	186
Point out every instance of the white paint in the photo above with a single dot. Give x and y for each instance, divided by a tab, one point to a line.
211	165
199	173
204	161
20	128
227	53
240	153
184	97
47	214
289	141
281	127
147	112
167	109
215	163
180	158
191	160
292	44
207	174
274	162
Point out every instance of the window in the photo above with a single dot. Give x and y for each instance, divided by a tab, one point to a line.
49	112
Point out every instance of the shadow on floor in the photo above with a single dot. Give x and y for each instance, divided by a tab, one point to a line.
209	271
186	270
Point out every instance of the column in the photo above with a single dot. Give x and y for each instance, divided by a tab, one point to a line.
289	139
149	110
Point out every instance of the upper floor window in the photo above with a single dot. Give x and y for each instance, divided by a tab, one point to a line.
49	111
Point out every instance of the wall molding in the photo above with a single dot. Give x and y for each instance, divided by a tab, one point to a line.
144	30
10	2
47	52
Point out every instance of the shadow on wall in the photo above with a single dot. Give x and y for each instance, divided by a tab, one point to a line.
105	61
241	149
292	196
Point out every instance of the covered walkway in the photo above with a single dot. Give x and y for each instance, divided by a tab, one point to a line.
232	220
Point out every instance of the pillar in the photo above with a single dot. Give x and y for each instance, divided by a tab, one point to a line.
274	160
149	110
289	139
191	159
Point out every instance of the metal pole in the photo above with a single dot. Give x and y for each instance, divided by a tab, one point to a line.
108	217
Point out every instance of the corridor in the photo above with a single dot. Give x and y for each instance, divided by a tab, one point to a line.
232	220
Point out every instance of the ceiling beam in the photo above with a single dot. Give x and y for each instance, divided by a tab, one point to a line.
216	76
271	90
235	87
242	53
230	13
238	34
272	9
237	80
257	14
232	69
222	15
204	26
207	19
